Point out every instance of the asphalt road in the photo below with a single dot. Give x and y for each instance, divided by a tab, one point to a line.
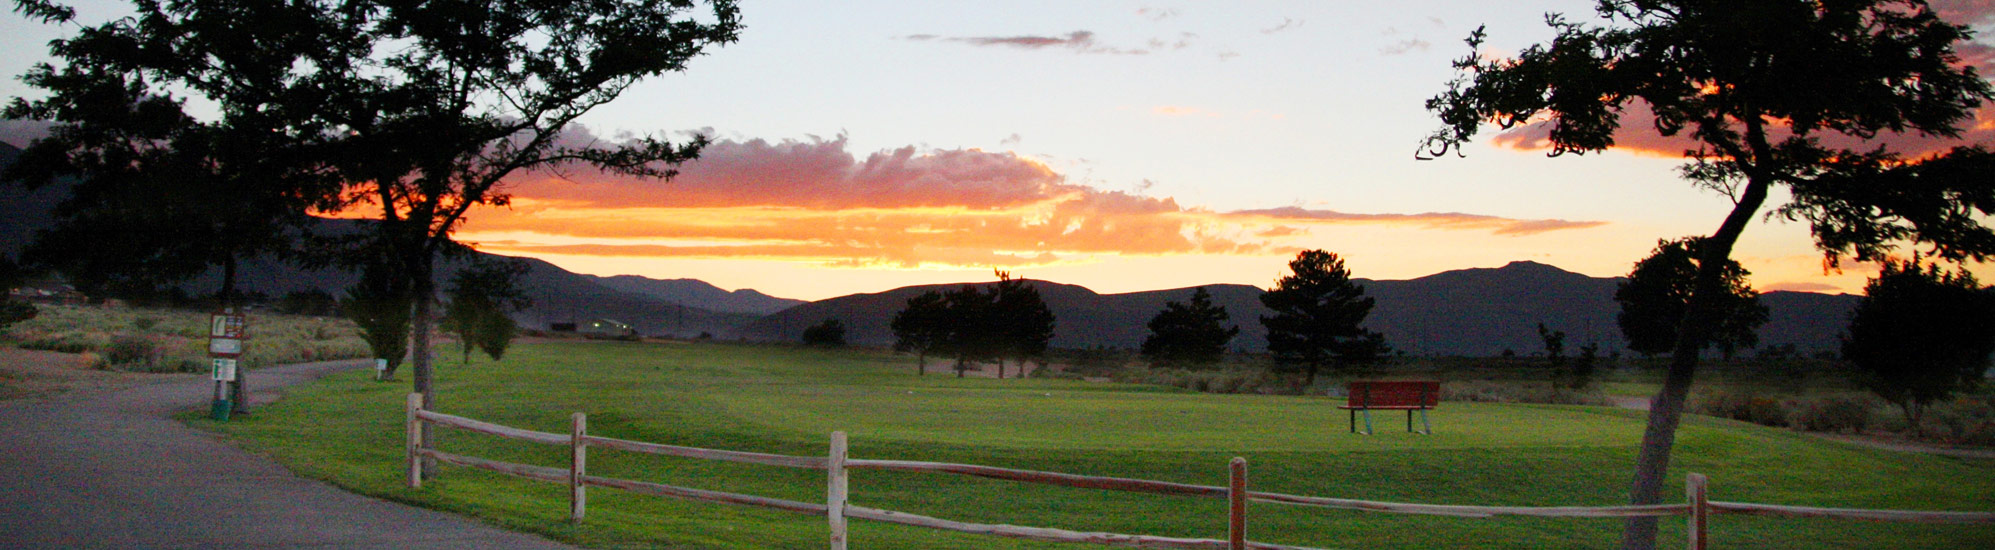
112	470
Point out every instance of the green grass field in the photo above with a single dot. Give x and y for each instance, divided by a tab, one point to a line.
347	430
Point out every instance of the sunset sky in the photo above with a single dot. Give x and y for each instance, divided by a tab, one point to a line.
1120	145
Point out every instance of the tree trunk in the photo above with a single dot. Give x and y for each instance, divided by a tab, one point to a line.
1000	368
421	289
1692	332
921	363
238	388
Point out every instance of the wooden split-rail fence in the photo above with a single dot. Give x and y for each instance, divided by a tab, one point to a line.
837	510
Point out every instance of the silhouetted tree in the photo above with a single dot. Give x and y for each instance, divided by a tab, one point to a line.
1189	333
922	327
420	109
1657	293
827	334
1318	317
1555	345
482	297
1921	334
314	302
1019	321
1732	76
970	337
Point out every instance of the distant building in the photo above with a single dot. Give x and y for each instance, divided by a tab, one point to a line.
608	329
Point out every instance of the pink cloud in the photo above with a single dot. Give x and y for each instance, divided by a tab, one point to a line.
817	174
1436	220
1965	12
1637	135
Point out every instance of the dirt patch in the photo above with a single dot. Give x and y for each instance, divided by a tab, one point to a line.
32	373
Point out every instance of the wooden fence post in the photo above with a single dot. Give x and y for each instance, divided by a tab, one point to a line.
1695	488
578	460
834	499
415	441
1236	497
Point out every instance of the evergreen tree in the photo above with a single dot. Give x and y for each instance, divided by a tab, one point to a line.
970	338
379	305
921	327
1020	321
1318	317
482	298
1189	334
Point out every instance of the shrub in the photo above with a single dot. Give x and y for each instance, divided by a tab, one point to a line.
1963	421
66	341
1833	413
1740	405
1492	392
128	350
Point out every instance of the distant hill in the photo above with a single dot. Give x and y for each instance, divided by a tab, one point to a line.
1470	312
695	291
559	295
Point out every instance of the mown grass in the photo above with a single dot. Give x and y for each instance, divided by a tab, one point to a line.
347	430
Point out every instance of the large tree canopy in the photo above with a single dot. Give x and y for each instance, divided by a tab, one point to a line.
1754	84
419	109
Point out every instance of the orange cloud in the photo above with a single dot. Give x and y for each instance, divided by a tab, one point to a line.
813	201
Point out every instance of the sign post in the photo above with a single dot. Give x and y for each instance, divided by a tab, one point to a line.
226	332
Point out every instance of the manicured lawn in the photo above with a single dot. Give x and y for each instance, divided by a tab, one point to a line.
347	430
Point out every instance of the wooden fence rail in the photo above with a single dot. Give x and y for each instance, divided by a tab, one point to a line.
1697	507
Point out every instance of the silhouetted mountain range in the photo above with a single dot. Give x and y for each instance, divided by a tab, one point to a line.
675	307
1470	312
695	291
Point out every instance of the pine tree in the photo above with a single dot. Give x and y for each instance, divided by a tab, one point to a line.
1190	334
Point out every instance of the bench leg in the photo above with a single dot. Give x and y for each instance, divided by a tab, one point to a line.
1425	427
1368	421
1409	421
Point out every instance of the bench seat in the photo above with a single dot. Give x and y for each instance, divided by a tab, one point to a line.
1394	395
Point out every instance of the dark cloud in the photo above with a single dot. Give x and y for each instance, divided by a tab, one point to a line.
1078	41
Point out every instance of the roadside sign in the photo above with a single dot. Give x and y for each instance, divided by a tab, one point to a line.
226	325
227	328
224	347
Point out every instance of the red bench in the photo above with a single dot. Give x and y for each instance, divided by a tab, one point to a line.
1397	395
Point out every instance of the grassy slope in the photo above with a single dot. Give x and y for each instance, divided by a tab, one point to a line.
347	430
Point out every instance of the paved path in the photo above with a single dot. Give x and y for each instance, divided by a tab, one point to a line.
112	470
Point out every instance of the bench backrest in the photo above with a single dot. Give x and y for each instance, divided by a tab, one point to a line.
1395	393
